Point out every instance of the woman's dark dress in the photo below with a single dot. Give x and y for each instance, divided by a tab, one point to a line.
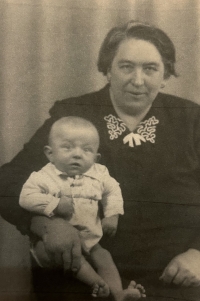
158	169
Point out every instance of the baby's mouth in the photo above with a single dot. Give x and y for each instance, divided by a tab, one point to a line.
75	164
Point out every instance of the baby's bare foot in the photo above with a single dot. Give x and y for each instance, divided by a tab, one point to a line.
141	289
100	289
95	290
132	293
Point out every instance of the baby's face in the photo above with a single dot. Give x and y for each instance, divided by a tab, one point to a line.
74	150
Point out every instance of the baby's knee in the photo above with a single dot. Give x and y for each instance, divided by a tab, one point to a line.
101	252
105	253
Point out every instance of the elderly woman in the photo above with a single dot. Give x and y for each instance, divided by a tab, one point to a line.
150	143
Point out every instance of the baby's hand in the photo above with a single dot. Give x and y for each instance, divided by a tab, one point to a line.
65	207
109	225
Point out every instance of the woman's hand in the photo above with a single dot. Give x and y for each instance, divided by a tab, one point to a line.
183	269
109	225
65	207
61	241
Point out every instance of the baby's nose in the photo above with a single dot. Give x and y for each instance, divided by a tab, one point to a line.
77	153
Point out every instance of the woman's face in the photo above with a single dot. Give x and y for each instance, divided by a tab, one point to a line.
136	75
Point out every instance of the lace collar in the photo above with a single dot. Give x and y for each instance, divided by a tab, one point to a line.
144	132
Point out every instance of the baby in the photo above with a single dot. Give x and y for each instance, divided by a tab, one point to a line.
73	186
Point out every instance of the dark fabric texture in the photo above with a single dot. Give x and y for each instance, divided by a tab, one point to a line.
54	285
159	180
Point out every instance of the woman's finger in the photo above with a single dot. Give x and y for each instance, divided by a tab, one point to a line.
66	256
58	259
76	255
169	273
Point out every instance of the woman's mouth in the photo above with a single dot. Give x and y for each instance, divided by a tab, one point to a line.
137	94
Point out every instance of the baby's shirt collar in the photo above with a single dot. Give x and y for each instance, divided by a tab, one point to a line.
91	172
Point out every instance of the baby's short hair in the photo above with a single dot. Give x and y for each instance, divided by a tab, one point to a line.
74	121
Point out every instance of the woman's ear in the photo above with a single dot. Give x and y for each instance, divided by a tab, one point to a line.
48	152
108	75
162	85
164	82
98	157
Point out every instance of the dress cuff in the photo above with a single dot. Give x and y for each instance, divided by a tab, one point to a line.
195	245
51	206
108	213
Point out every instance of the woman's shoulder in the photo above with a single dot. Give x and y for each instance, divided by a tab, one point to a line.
168	100
79	103
177	109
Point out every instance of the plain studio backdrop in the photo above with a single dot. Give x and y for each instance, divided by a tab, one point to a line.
48	51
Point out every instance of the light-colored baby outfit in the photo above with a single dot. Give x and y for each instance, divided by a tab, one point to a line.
42	191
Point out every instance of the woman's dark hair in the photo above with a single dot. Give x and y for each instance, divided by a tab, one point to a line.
140	31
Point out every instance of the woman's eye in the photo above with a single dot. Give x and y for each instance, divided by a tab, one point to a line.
126	68
150	69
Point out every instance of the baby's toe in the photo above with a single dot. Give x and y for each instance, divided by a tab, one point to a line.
132	285
95	290
140	288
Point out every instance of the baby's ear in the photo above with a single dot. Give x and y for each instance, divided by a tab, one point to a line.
48	153
98	157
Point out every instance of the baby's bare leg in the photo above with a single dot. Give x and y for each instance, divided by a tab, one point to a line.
103	262
85	274
106	268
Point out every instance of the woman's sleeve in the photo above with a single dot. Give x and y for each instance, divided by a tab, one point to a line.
14	174
195	239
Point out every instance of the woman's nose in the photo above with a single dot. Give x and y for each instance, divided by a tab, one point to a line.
137	78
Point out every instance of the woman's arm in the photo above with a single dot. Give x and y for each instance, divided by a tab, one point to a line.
61	240
184	269
14	174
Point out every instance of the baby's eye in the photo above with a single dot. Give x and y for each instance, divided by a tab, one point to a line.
67	147
87	149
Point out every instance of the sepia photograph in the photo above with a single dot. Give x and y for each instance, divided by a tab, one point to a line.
100	150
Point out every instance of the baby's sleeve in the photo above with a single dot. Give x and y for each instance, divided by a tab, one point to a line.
36	197
112	200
